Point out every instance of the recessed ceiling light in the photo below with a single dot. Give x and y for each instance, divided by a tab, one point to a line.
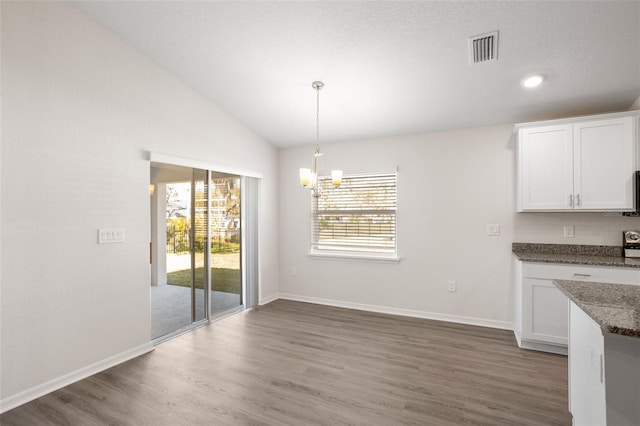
533	81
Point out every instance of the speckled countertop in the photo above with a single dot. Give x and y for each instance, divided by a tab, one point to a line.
616	307
574	254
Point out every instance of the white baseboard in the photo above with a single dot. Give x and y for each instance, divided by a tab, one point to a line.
544	347
540	346
42	389
503	325
269	299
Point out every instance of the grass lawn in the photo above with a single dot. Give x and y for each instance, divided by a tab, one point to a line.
222	279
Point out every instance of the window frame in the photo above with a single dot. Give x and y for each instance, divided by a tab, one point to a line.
372	255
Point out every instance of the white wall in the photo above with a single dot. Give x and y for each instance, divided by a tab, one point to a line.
450	185
590	228
80	111
636	105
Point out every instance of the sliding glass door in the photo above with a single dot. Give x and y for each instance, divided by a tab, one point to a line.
178	239
226	238
196	247
199	243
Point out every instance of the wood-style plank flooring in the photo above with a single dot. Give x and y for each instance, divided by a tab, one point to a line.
292	363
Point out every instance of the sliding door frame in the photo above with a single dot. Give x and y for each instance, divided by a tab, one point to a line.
155	157
248	296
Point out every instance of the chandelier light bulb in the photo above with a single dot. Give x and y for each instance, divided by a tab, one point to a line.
336	177
305	177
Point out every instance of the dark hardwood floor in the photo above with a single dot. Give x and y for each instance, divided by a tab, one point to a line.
292	363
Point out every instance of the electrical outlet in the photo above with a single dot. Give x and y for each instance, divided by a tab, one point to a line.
568	231
451	287
493	229
294	271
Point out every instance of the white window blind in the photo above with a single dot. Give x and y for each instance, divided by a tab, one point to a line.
358	216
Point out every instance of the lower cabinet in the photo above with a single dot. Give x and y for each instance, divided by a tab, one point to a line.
604	374
545	312
541	310
586	370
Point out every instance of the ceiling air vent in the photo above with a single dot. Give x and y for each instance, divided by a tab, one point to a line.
483	48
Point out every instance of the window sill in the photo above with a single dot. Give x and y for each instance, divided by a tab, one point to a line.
364	257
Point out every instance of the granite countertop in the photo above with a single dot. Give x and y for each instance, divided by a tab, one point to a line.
616	307
574	254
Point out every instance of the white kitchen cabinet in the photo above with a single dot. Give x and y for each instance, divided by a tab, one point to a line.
586	370
603	159
545	312
546	167
604	374
541	311
579	164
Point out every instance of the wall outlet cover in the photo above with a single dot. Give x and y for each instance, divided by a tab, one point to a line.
493	229
110	235
569	231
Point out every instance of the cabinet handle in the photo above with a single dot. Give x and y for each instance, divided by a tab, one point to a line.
570	200
581	275
577	199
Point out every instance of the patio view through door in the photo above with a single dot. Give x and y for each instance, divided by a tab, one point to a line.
225	237
195	239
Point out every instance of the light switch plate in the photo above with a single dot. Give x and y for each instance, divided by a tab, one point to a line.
493	229
110	235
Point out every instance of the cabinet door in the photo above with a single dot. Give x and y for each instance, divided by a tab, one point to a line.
587	396
545	316
546	168
603	164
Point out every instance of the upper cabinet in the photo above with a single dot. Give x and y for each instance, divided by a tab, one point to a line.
546	167
585	164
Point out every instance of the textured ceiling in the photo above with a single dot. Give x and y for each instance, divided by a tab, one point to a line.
389	68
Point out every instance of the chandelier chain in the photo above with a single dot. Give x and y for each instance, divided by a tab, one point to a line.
309	177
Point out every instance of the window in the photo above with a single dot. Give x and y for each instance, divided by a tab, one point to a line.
358	218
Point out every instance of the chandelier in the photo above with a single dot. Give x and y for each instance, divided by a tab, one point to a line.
309	177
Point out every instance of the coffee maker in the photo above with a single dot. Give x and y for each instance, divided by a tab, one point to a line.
631	243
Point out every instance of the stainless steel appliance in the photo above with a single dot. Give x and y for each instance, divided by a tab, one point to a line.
637	183
631	243
635	213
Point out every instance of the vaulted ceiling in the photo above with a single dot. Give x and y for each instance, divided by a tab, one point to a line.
389	67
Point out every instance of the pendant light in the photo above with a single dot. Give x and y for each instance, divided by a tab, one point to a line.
309	177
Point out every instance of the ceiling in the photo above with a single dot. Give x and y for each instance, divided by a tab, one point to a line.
389	68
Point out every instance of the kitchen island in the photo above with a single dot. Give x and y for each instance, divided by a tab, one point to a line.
604	352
